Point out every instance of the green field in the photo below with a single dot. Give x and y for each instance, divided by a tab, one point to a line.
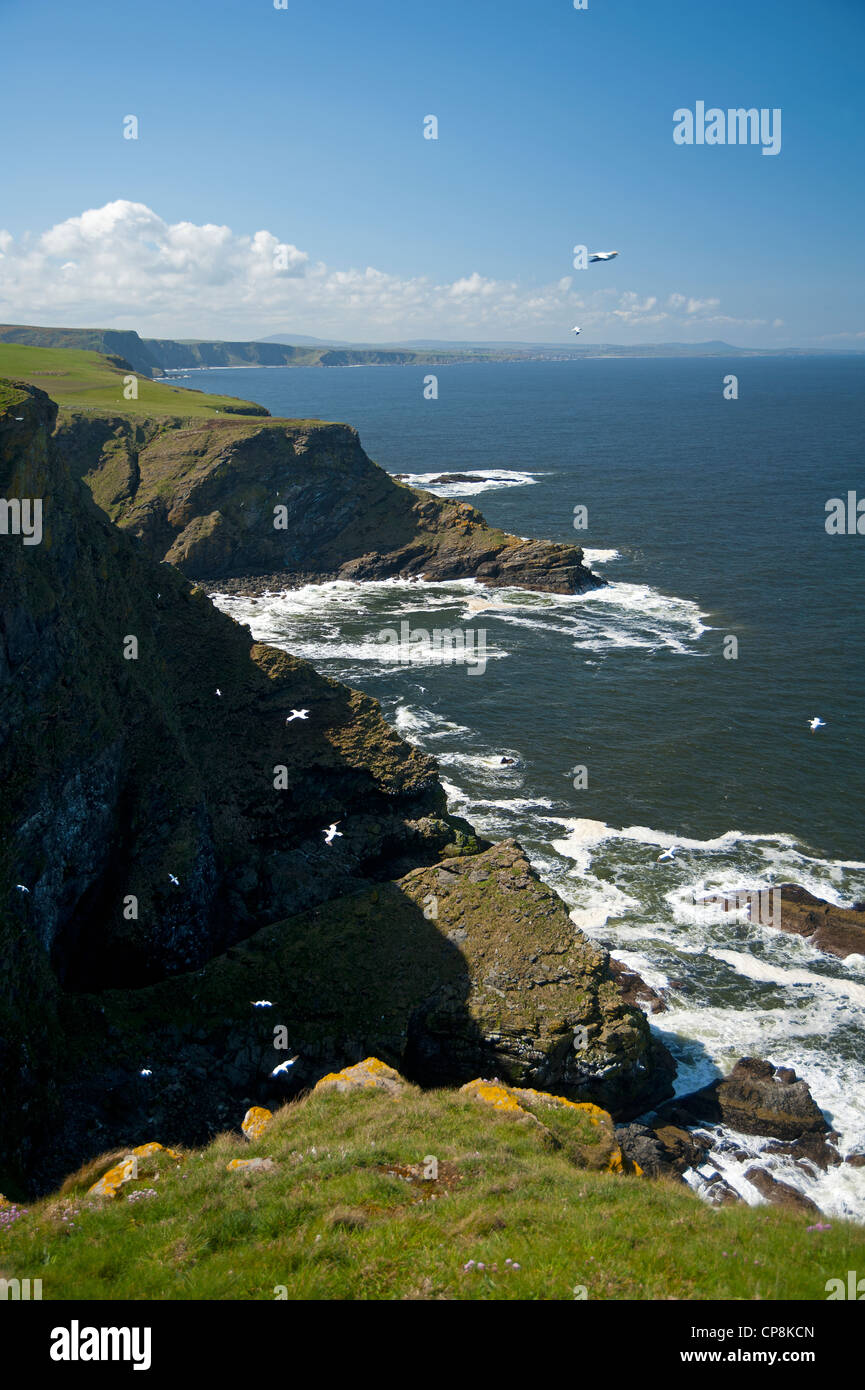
79	380
345	1213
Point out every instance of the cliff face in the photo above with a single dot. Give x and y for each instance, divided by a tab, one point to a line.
157	810
291	501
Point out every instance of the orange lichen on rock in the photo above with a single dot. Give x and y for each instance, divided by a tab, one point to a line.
251	1165
492	1093
366	1075
255	1122
522	1102
127	1171
147	1151
111	1182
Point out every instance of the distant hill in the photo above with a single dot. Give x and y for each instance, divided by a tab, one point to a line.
153	356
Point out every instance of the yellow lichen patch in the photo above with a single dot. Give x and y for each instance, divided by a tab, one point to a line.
614	1162
251	1165
255	1122
593	1113
111	1182
365	1075
147	1151
494	1094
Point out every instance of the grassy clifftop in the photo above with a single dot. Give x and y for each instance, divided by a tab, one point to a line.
331	1202
84	380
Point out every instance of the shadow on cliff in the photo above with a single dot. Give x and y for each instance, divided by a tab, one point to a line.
366	975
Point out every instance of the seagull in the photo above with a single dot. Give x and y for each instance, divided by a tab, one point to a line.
668	854
21	888
145	1072
218	691
261	1003
816	723
175	881
284	1066
297	714
332	833
575	330
603	255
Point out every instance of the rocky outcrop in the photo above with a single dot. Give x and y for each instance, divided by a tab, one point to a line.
780	1193
664	1151
756	1098
281	502
838	930
468	968
584	1131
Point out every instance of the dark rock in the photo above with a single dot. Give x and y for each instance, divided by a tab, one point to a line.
639	1144
780	1194
838	930
753	1100
811	1149
634	988
719	1192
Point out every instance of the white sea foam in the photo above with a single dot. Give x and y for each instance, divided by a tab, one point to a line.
599	557
480	480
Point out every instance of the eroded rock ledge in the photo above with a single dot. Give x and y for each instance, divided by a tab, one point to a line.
201	494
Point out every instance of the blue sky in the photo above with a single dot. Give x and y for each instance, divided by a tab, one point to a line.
555	128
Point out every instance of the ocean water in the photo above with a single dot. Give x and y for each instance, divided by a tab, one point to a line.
706	517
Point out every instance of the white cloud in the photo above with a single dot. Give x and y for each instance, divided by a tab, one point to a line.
122	265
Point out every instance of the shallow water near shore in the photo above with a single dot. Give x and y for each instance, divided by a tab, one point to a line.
706	517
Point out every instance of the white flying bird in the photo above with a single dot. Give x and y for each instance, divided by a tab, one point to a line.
816	723
21	888
575	330
332	833
175	881
218	691
603	255
668	854
146	1072
261	1003
297	714
284	1066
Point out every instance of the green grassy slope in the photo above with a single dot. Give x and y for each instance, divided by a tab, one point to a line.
345	1213
80	380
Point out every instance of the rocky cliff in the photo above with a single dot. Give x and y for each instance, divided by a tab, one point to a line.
163	865
291	501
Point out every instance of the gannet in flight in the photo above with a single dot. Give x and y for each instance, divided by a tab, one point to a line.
175	881
575	330
816	723
297	714
21	888
261	1003
284	1066
332	833
603	255
668	854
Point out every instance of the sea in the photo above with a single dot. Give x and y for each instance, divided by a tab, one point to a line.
669	709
